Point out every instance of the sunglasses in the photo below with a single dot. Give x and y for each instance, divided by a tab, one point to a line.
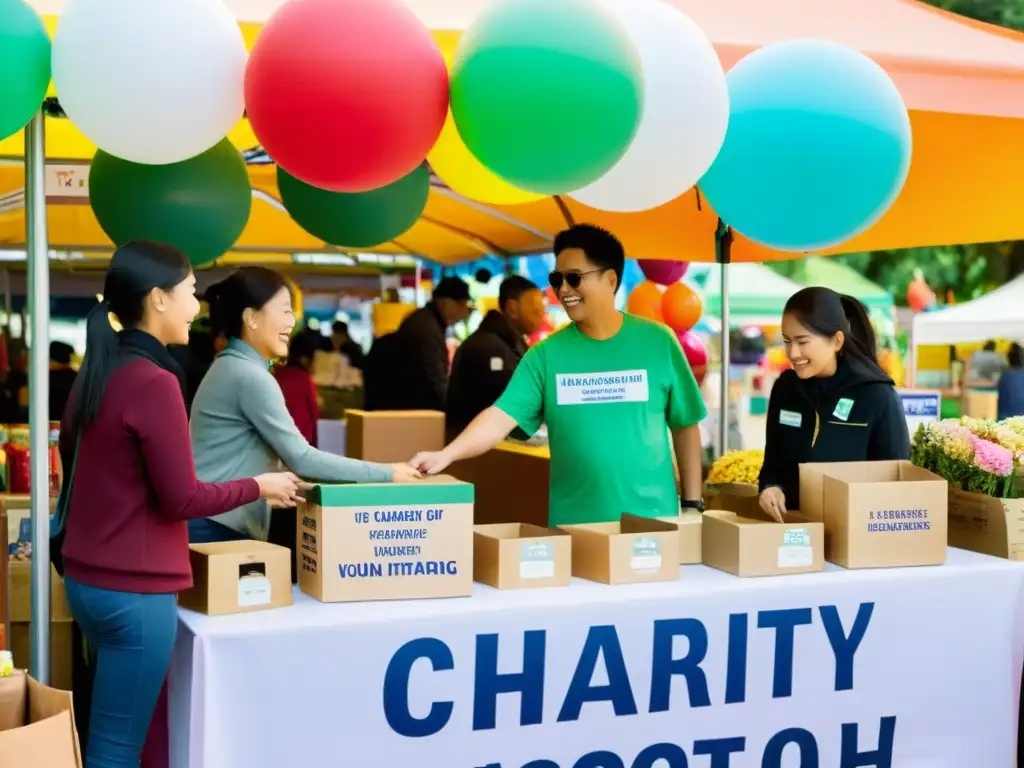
572	279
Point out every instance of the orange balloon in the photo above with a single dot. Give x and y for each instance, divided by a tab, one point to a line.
681	307
645	301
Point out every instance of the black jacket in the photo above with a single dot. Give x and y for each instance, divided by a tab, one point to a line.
481	370
408	370
854	415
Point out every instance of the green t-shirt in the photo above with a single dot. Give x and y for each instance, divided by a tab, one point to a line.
608	406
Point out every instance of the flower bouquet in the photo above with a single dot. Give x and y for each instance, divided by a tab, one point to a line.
964	453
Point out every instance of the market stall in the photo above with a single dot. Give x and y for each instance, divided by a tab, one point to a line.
833	665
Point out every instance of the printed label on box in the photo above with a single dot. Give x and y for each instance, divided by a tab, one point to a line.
646	554
253	591
796	550
537	561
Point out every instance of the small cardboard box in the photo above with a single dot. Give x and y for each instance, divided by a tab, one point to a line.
387	541
238	577
741	498
19	573
987	525
392	436
521	556
689	523
758	546
37	725
634	550
877	514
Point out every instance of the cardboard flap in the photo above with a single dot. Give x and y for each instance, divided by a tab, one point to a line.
46	738
741	490
637	524
13	701
45	702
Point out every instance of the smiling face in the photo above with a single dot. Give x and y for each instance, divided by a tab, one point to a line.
170	313
269	328
811	354
594	294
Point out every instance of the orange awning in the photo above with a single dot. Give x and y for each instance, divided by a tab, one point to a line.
962	80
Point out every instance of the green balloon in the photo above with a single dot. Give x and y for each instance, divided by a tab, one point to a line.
24	65
547	93
356	220
200	205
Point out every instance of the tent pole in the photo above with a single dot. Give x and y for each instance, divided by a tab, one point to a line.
39	397
723	255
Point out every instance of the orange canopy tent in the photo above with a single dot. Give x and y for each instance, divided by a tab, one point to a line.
962	80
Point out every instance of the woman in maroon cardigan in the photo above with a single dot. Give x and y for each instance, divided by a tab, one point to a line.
132	488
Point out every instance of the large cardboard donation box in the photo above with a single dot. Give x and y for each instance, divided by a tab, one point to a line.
386	541
634	550
37	727
754	545
238	577
985	524
521	556
390	437
877	514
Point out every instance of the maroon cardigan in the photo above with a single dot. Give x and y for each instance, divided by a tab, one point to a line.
135	487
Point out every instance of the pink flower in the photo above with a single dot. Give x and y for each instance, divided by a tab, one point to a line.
991	457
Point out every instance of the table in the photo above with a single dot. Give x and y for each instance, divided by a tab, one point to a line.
921	664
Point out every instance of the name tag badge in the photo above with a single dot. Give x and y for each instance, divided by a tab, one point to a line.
843	409
791	419
497	364
606	387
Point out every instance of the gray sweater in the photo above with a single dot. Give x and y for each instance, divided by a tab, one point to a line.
241	427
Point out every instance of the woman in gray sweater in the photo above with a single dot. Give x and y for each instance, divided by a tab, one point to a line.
240	424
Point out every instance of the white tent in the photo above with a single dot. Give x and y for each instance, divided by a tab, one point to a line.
996	315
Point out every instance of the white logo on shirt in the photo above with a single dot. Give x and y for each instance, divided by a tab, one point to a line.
497	364
607	387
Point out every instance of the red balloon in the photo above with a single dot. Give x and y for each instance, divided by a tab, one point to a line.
696	353
681	307
346	95
663	272
645	301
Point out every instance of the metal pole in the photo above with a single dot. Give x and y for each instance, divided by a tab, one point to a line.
723	248
39	392
419	283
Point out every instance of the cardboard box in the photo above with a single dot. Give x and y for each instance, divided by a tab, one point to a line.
877	514
741	498
387	541
758	546
689	523
19	573
521	556
634	550
238	577
390	437
511	484
37	726
987	525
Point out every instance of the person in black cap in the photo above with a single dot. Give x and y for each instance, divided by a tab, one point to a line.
423	361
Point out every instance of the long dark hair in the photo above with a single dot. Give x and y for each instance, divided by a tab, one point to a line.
824	312
136	268
245	288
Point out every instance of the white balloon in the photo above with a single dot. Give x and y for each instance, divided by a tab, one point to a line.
150	81
685	114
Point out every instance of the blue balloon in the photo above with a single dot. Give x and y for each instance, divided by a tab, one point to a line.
817	150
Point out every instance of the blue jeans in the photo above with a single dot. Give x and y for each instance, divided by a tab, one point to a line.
202	530
131	636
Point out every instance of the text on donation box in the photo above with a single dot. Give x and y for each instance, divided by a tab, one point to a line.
387	552
520	679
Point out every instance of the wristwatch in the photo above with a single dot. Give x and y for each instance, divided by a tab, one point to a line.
697	504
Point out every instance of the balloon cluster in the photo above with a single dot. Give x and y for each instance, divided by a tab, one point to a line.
662	297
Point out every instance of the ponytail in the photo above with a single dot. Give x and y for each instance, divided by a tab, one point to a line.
101	356
862	333
245	288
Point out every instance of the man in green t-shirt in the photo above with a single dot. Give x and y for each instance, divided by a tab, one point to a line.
610	387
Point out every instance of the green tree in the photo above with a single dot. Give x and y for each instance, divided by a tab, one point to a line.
966	270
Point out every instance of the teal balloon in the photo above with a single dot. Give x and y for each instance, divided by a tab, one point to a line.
200	205
817	150
547	94
24	65
356	220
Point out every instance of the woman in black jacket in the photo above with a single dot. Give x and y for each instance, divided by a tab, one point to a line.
837	404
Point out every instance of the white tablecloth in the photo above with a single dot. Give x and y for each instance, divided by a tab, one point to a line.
922	663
